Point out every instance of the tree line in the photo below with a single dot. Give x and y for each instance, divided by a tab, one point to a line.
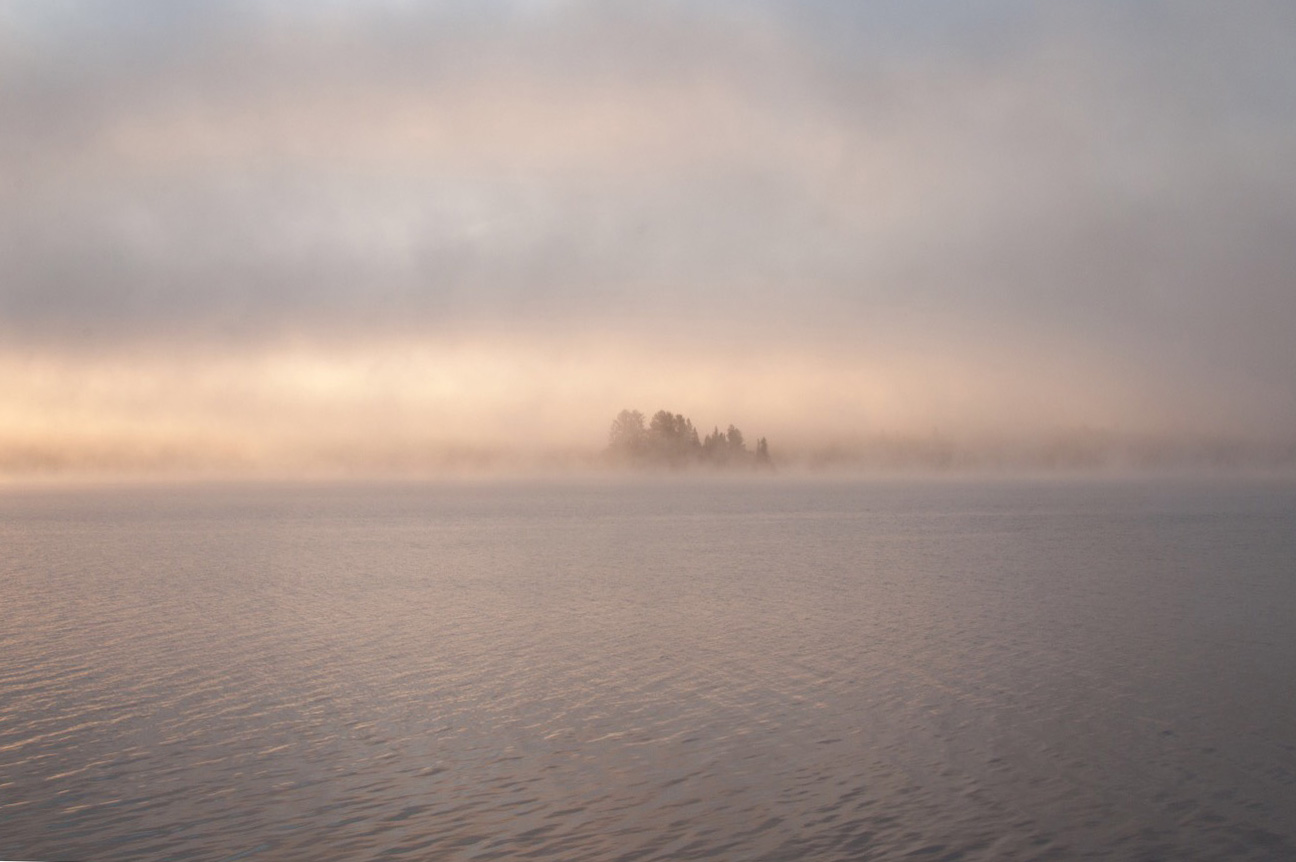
670	439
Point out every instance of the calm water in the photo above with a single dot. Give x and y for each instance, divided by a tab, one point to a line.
595	671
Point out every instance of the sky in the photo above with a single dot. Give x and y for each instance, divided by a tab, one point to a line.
286	237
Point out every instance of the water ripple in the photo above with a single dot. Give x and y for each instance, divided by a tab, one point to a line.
620	672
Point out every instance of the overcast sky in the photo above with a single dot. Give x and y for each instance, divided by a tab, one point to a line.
825	219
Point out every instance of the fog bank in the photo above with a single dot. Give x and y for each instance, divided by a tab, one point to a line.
513	404
368	235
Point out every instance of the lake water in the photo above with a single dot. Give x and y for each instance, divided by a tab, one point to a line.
636	671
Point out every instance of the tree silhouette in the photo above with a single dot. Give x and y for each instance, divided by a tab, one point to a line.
670	439
714	445
627	437
735	440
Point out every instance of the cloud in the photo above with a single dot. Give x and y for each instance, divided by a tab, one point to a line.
1093	187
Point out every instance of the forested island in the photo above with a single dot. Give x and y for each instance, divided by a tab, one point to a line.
670	440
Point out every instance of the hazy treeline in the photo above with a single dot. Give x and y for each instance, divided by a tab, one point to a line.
669	439
1075	453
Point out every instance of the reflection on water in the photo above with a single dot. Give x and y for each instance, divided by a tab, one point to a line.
735	670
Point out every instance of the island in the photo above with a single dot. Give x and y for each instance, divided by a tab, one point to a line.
670	440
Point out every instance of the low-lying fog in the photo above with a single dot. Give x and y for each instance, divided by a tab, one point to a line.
379	238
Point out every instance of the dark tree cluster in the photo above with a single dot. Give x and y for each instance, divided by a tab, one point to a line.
669	439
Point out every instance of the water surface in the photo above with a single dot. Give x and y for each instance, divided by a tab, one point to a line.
635	671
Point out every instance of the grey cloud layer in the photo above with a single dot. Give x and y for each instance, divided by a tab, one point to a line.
1113	182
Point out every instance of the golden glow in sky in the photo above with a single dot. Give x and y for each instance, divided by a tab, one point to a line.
375	237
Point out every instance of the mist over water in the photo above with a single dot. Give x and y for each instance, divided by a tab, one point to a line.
958	523
649	669
383	238
412	408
